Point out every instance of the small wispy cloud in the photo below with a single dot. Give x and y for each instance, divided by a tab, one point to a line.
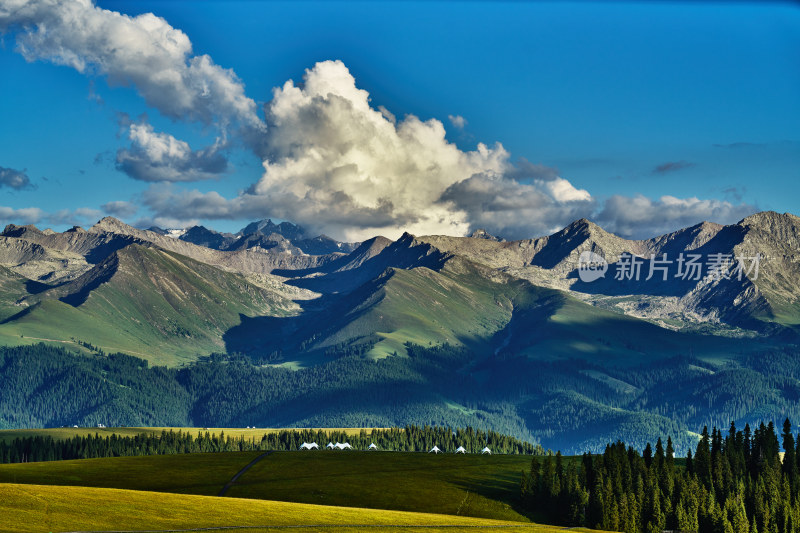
737	145
735	193
672	166
24	215
120	208
15	179
79	217
82	216
458	121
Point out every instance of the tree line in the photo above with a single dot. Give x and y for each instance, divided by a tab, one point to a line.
733	483
410	439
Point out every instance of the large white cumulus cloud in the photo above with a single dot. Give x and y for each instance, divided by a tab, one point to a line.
143	51
337	165
334	160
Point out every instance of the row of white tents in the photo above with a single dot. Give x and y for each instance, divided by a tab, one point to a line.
332	446
461	449
346	446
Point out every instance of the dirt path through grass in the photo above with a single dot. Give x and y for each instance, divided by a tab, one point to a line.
239	474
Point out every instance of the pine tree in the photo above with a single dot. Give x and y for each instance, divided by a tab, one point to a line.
702	460
648	455
789	466
670	454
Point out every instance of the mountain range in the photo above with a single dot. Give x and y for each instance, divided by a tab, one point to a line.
263	234
516	324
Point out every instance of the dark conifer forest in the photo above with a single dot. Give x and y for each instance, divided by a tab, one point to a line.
733	482
570	405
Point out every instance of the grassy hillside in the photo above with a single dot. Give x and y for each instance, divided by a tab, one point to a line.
423	307
48	508
200	473
148	302
466	485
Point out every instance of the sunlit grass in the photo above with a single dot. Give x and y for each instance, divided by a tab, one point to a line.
236	433
53	508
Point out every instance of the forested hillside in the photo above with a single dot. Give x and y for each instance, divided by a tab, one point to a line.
572	405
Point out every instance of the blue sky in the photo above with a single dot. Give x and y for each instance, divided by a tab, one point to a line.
644	117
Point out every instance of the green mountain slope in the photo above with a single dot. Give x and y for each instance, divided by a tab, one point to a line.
492	314
149	302
12	288
422	306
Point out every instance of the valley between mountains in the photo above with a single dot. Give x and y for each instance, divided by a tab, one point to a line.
273	327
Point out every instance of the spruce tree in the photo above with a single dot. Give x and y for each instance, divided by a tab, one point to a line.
789	466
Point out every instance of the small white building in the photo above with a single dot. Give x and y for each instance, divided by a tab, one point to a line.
372	447
330	446
461	450
435	449
486	450
309	446
344	446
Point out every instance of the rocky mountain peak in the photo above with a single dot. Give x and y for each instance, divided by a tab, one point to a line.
581	224
267	226
784	226
12	230
483	234
113	225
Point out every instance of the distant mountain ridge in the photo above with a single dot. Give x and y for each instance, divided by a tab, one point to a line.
264	234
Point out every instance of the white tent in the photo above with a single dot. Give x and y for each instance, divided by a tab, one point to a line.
461	450
435	449
344	446
372	447
309	446
330	446
486	450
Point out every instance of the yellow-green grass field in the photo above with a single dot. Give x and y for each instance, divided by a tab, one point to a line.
195	473
68	432
467	485
57	508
